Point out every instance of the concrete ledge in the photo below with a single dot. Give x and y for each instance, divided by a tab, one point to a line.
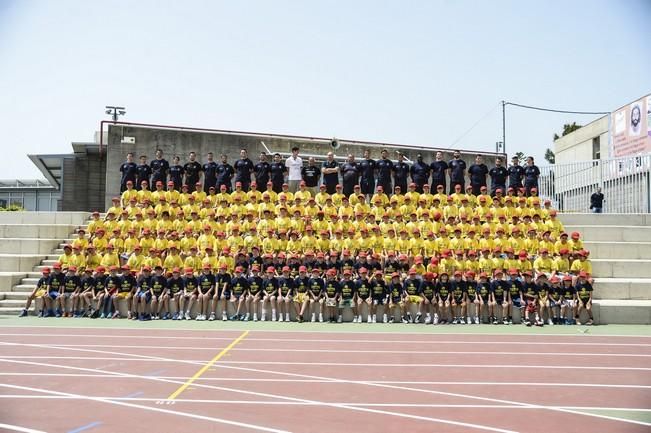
622	288
19	262
621	268
36	231
70	218
28	246
624	312
579	219
618	250
621	233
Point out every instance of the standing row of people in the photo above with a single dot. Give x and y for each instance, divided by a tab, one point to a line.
392	176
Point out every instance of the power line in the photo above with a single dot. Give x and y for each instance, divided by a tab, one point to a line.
473	126
552	110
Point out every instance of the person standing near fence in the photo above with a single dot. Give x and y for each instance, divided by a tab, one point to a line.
516	173
597	201
294	165
531	175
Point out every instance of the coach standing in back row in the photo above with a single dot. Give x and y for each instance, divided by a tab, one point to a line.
457	168
294	165
243	168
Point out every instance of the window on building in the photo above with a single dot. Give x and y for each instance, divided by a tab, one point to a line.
596	148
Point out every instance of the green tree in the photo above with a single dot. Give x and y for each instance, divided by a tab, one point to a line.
521	157
568	128
550	156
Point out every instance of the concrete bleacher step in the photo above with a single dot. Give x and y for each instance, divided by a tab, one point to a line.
19	262
621	268
10	279
625	312
28	217
21	296
594	233
10	311
27	245
13	303
618	250
36	231
23	288
622	288
578	219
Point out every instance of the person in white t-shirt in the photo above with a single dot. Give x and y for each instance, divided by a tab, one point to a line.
294	165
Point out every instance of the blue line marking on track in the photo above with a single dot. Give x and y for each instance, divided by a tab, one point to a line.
85	427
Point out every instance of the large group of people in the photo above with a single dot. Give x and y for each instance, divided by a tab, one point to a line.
294	241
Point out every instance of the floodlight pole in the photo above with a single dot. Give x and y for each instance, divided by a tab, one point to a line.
115	112
504	126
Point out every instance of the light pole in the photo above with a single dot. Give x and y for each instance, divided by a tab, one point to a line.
115	112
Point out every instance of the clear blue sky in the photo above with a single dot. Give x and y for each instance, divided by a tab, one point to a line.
414	72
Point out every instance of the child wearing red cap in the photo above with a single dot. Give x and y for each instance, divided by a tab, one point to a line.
584	297
39	292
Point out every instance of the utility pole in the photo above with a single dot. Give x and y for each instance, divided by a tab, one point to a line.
504	126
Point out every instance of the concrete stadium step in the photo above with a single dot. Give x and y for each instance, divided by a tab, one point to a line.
618	250
38	231
28	245
11	311
621	268
23	288
30	281
625	312
12	303
28	217
10	279
14	296
19	262
594	233
622	288
584	219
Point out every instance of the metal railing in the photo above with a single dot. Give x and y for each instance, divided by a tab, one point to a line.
625	183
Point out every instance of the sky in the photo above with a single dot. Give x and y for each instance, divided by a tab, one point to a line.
428	73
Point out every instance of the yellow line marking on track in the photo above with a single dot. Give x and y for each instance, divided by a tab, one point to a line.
205	368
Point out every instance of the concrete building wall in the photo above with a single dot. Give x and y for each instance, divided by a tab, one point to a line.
181	142
578	145
84	183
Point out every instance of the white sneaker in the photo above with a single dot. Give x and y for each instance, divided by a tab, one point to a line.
287	318
436	319
374	318
224	317
246	317
255	317
550	322
313	318
320	318
263	318
428	319
369	319
280	317
187	316
385	319
340	319
476	320
273	318
212	317
469	320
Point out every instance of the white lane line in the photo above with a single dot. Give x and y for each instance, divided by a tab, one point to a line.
342	406
326	364
222	365
300	403
19	428
387	382
153	409
429	331
397	352
333	340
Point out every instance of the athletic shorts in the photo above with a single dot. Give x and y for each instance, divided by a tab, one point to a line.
414	299
397	301
331	302
145	296
345	303
517	302
67	294
378	301
40	292
583	302
531	307
301	297
567	303
121	295
553	303
53	295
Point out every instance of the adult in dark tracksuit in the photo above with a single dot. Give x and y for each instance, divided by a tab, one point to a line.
457	168
159	168
477	173
367	168
401	173
419	173
498	175
330	170
209	173
129	171
192	171
531	174
349	174
516	174
225	173
277	169
384	169
243	168
439	169
261	171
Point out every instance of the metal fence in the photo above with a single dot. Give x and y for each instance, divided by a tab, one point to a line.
625	183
